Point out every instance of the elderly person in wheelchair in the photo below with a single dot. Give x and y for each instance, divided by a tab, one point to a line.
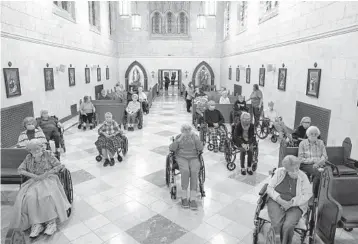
143	100
31	132
187	147
237	109
51	127
87	111
201	102
313	155
289	191
41	200
133	112
110	140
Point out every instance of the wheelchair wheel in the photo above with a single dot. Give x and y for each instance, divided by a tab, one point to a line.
348	229
202	137
15	236
173	193
125	145
66	180
210	147
167	170
230	156
271	236
119	158
261	130
231	166
99	158
254	167
274	138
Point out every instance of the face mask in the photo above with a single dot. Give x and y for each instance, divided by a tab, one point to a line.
36	153
293	175
30	127
108	119
312	137
211	107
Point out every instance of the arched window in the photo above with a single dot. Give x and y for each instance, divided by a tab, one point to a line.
156	23
170	23
227	20
182	23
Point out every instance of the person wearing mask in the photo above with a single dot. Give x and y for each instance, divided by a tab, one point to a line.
215	121
30	133
256	98
104	96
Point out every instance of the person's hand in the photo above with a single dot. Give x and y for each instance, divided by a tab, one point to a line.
284	204
232	124
216	125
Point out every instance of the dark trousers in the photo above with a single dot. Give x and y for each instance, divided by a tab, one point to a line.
315	174
243	153
53	135
257	114
188	105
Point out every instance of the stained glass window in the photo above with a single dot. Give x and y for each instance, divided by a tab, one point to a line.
156	23
227	20
183	23
67	6
169	22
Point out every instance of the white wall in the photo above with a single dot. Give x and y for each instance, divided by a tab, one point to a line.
303	33
32	35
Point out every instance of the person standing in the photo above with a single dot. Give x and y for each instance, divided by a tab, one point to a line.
190	94
167	82
256	98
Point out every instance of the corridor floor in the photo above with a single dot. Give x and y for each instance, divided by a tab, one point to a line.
130	203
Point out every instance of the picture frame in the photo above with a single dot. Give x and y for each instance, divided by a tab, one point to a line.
281	80
262	72
12	82
313	82
237	74
248	75
87	75
49	79
107	73
99	75
71	76
230	72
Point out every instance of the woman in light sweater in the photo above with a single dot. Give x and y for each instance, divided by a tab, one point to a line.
224	99
133	110
187	147
87	110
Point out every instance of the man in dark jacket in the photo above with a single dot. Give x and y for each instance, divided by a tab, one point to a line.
215	121
244	138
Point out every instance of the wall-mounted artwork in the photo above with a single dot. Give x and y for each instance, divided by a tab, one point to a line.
230	72
71	76
49	79
12	82
99	74
237	74
313	82
107	73
262	77
248	75
87	75
282	76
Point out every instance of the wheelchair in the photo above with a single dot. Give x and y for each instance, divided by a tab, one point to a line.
139	120
172	170
94	121
263	129
123	149
305	227
196	121
61	130
205	136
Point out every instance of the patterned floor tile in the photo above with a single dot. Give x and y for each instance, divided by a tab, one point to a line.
162	150
80	176
156	178
167	122
252	180
157	229
166	133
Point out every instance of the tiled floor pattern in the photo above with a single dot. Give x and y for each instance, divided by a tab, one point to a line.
130	204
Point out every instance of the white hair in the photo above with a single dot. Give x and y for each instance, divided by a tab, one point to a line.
313	129
185	127
34	143
134	95
108	113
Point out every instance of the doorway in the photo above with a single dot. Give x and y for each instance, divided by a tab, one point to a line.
97	91
172	74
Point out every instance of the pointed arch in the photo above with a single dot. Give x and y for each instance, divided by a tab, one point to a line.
208	67
141	67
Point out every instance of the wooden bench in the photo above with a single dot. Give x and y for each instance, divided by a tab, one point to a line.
11	158
103	106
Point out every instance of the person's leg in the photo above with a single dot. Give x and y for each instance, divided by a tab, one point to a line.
276	215
256	114
214	138
184	171
90	118
242	160
85	121
131	119
249	159
222	134
315	174
188	102
293	215
194	167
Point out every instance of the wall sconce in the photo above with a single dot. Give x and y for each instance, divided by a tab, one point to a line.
153	74
47	65
186	74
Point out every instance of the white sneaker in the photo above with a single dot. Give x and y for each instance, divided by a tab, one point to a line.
36	229
51	228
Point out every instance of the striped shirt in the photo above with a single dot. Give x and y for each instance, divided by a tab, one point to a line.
312	150
23	138
133	107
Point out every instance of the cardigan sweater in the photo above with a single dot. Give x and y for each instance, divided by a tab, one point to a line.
239	135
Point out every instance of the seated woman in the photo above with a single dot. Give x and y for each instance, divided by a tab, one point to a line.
41	200
214	119
300	133
104	95
224	99
133	110
201	105
109	139
238	108
87	110
120	94
50	127
313	155
187	146
276	120
289	191
244	138
30	133
143	99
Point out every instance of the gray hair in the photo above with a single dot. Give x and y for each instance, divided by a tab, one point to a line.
108	113
291	162
34	143
44	111
245	115
185	127
313	129
28	120
305	119
135	95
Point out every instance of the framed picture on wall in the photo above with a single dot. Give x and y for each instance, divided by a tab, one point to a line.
237	74
49	79
282	76
12	82
230	72
262	76
313	82
107	73
99	74
71	76
87	75
248	75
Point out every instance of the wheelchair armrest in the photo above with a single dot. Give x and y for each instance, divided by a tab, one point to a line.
311	202
263	190
353	162
334	167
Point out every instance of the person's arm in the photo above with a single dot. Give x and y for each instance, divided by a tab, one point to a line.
261	99
175	145
22	141
221	118
101	130
237	136
198	144
116	129
93	108
56	165
82	108
273	182
129	107
251	135
324	156
207	119
301	153
306	191
22	169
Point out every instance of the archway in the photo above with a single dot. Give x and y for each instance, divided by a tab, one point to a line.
203	75
141	74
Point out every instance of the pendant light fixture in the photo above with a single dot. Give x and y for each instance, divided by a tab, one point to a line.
124	9
210	9
136	20
201	20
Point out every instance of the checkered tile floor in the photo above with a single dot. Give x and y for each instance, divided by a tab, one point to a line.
130	204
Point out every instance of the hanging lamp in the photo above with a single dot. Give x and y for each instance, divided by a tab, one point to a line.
124	9
201	20
210	9
136	20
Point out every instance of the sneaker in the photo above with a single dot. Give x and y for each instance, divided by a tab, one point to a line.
84	128
36	229
185	203
243	171
106	162
193	205
111	163
249	171
51	228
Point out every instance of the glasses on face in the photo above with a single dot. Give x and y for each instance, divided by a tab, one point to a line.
306	122
314	134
